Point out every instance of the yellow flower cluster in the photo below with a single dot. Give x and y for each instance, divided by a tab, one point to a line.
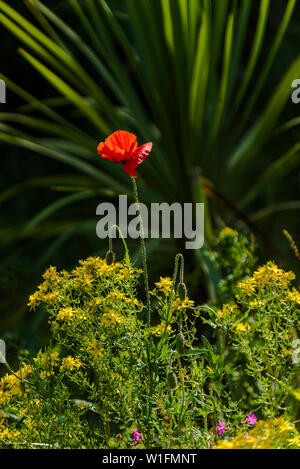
95	350
255	303
10	384
226	232
68	314
32	406
41	296
247	286
164	285
6	434
271	434
267	275
159	330
182	304
110	318
241	327
116	296
69	364
85	278
65	314
293	296
227	312
47	359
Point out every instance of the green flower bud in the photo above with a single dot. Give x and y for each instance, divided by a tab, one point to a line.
172	380
182	291
180	343
110	257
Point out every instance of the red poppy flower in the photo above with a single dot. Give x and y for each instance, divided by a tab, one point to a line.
121	147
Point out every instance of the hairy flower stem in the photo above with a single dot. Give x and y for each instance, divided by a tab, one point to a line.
182	397
170	303
116	227
222	359
146	282
144	254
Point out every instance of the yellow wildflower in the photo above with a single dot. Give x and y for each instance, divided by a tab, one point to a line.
181	304
69	363
34	300
294	296
270	274
66	314
295	441
95	350
10	384
247	286
116	295
164	285
111	317
159	330
6	434
255	303
51	274
225	232
241	327
227	311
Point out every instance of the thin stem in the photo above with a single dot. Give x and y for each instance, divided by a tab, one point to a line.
222	354
182	397
146	281
144	254
127	258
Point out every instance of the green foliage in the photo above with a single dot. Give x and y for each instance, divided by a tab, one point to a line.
235	257
92	386
261	326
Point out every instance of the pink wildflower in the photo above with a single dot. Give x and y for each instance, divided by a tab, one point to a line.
221	427
135	434
251	419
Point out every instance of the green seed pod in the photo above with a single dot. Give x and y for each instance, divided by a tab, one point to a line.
110	257
180	343
172	379
182	291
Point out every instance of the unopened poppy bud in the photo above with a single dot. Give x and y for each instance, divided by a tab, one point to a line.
110	257
172	380
182	291
180	343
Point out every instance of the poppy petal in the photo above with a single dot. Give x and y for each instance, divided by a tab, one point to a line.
142	152
111	155
137	158
122	141
129	170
